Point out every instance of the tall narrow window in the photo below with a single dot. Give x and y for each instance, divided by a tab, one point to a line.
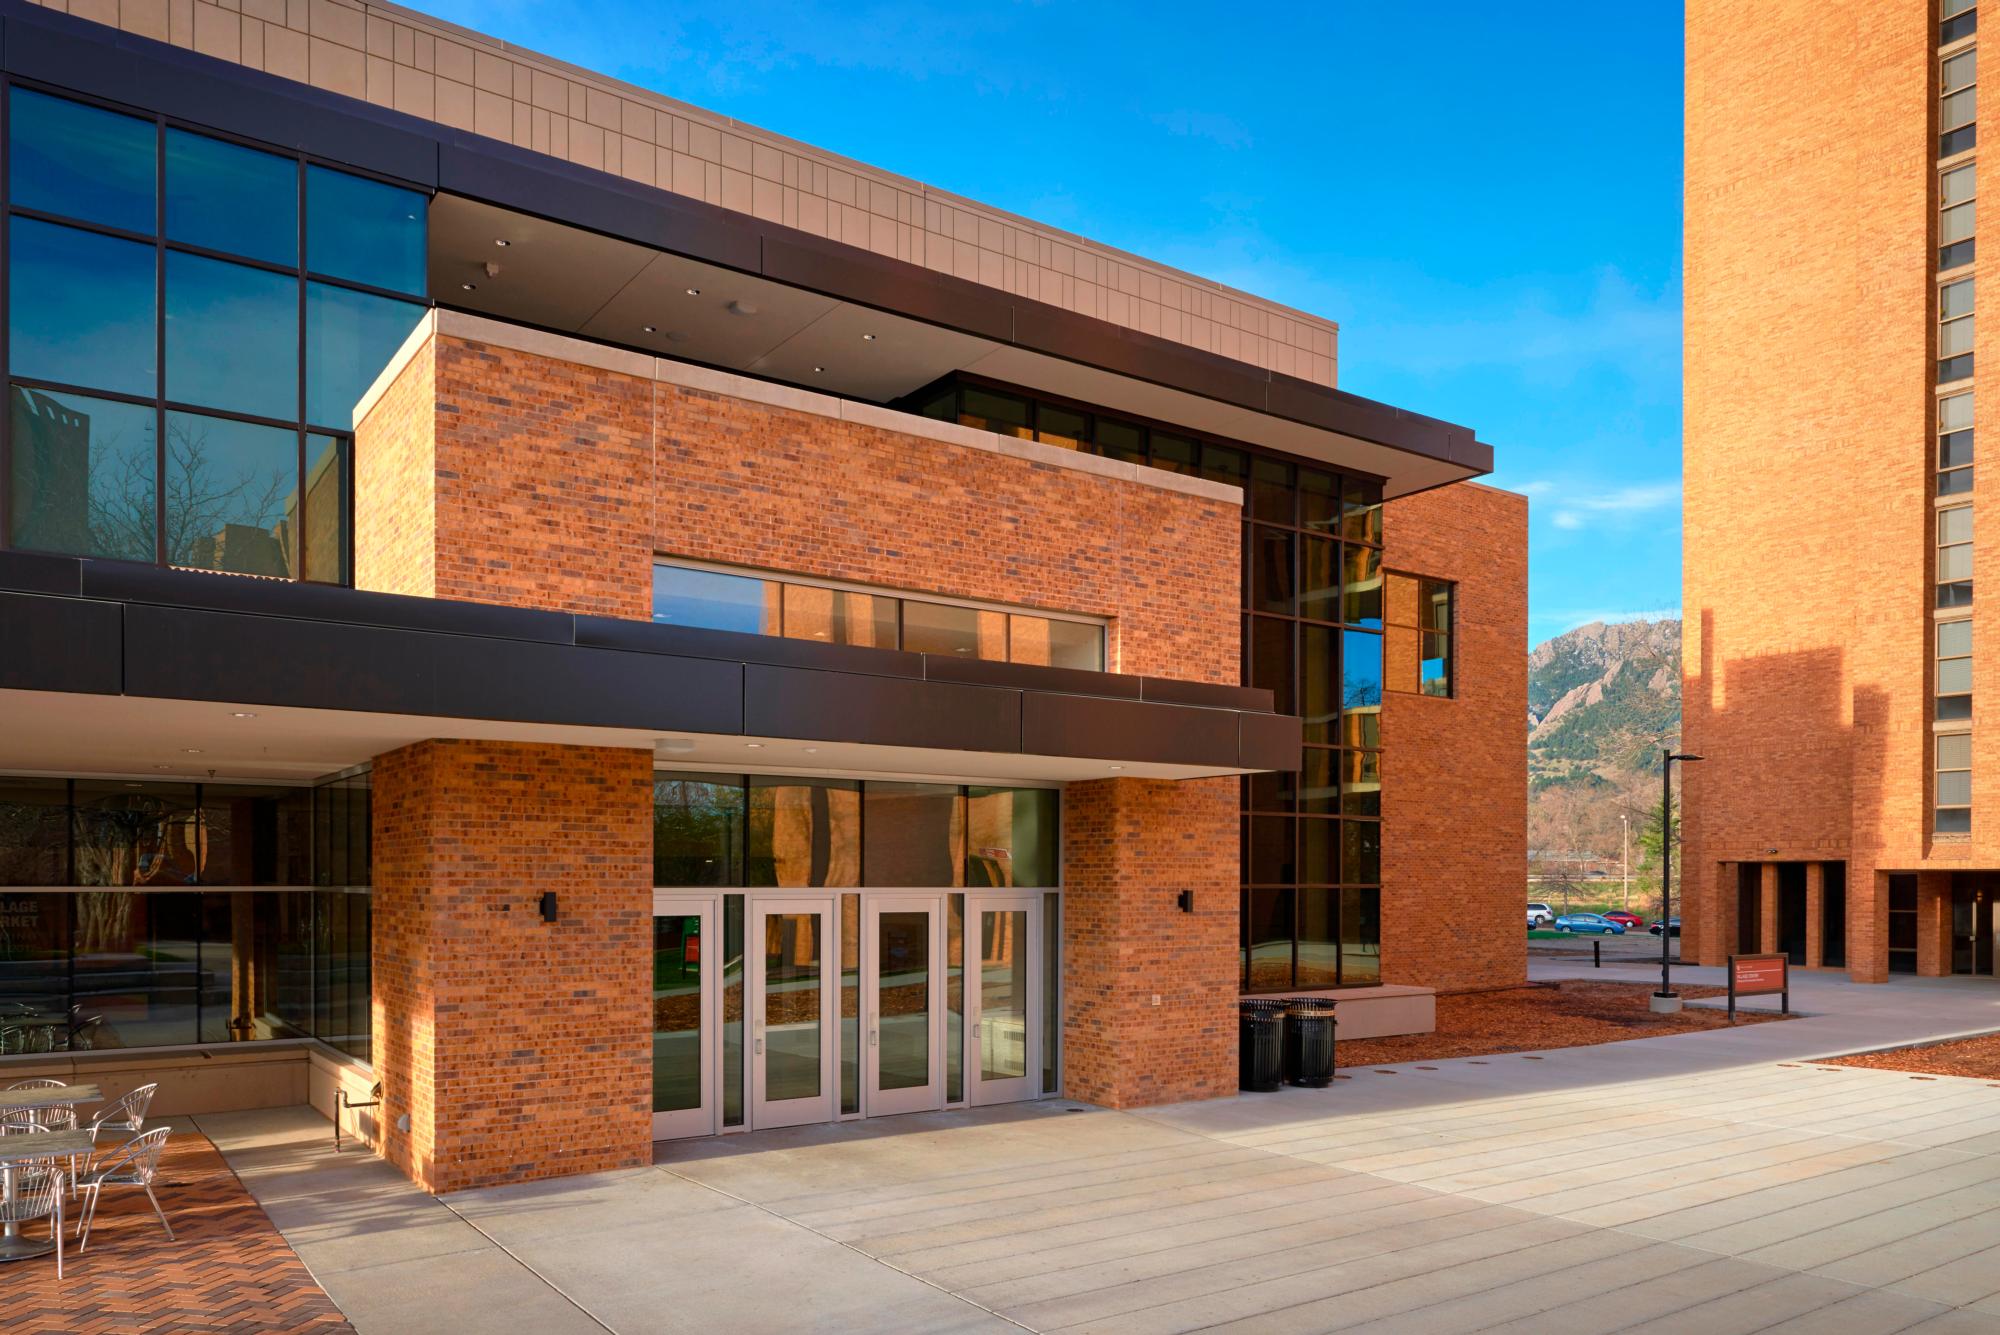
1954	557
1954	670
1954	344
1958	18
1419	645
1957	214
1954	451
1958	105
1954	783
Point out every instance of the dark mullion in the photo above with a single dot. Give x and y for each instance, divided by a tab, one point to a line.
159	342
305	501
6	322
370	289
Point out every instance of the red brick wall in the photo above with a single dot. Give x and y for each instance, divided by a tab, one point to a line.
519	1049
395	474
1454	770
556	484
1808	449
1130	846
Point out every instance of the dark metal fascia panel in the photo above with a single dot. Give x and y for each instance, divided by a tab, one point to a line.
1131	730
518	178
741	647
1208	695
128	582
183	654
838	270
139	72
1029	677
841	707
60	644
1269	741
29	572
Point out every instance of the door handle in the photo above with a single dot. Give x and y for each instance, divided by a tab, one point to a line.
760	1045
874	1036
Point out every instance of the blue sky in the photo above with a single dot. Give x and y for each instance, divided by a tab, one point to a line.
1486	197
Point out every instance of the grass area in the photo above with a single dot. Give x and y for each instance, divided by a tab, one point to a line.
1528	1019
1975	1058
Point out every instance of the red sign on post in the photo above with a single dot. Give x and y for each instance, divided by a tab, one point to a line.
1757	976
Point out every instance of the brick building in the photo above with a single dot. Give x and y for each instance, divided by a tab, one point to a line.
612	625
1832	264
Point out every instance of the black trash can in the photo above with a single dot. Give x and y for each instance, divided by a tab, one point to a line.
1259	1061
1309	1042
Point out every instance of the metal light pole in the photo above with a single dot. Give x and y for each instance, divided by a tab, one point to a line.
1667	758
1625	860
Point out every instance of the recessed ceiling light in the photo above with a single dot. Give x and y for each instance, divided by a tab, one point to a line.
163	767
694	291
812	750
1118	767
754	746
502	241
242	713
470	287
649	329
193	750
134	785
868	338
677	745
819	370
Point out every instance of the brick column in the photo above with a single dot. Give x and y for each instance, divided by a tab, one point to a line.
1934	924
1867	923
1130	846
1767	910
1707	908
1815	914
517	1048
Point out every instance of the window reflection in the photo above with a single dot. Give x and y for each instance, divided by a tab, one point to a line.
232	498
1011	837
964	632
232	337
350	337
365	231
83	474
80	161
711	600
804	832
915	834
80	308
698	829
226	197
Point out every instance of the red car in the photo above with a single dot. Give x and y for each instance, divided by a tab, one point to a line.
1629	921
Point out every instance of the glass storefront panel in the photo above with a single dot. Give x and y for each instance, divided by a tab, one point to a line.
733	1002
1360	937
804	832
82	475
232	496
915	834
1319	938
80	161
850	1004
698	829
902	1000
677	979
34	973
794	949
1012	837
1051	992
1003	994
328	470
80	308
1267	939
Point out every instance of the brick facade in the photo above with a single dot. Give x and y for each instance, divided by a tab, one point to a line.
517	1048
1808	443
556	484
1130	846
1454	780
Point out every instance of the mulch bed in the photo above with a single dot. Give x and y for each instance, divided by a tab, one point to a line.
1529	1019
1978	1058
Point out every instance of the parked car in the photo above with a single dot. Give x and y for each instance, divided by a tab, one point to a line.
1674	923
1540	915
1629	921
1589	923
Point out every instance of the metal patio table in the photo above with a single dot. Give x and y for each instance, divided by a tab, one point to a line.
26	1146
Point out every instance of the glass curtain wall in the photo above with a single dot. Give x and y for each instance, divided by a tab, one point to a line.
190	323
156	914
1312	635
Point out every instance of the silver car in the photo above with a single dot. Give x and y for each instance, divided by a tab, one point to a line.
1540	915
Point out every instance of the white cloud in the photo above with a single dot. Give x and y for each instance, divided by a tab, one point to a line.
1573	507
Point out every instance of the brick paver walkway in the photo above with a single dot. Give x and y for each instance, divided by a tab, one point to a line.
227	1270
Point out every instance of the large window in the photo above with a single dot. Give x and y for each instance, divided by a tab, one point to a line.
1313	617
777	830
1954	557
1958	105
1957	216
1419	642
758	604
156	914
1954	783
1954	335
1954	446
1954	669
190	323
1958	19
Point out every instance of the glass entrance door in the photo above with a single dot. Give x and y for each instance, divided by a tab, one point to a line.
903	995
1004	998
685	953
793	1010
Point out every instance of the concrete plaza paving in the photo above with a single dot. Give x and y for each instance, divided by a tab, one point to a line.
1704	1183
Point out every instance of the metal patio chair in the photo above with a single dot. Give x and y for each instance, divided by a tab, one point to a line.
127	1113
38	1194
132	1165
25	1119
